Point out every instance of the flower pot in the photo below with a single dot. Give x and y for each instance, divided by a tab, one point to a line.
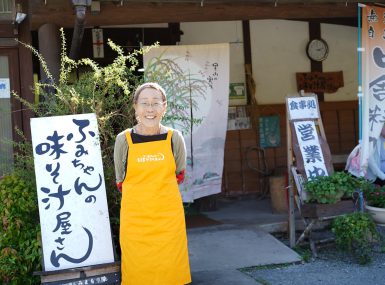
314	210
378	214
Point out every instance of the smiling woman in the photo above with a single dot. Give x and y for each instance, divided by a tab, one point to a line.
149	163
150	106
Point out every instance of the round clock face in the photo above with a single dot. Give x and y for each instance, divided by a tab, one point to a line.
317	50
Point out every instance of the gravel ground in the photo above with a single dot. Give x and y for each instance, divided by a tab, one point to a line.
332	267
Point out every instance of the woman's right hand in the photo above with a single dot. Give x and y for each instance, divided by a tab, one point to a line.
119	185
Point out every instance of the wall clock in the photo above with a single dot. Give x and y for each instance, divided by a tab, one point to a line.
317	49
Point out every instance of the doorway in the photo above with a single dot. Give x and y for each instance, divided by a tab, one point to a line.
10	108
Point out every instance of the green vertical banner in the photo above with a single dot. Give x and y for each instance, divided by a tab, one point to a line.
269	132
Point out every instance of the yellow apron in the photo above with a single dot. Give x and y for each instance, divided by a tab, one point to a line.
152	225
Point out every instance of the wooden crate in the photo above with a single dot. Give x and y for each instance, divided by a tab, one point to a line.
314	210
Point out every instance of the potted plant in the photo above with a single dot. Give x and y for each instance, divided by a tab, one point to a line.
330	189
374	196
324	194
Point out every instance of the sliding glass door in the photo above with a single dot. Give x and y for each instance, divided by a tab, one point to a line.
9	108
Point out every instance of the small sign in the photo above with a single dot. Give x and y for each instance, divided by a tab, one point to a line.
238	119
303	108
269	131
237	91
5	90
72	200
97	43
108	278
327	82
311	151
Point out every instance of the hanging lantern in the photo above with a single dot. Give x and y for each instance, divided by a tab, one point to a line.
97	43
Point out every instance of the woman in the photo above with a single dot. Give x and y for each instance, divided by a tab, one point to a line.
149	163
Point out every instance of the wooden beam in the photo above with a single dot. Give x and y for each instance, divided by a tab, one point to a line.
247	52
315	33
61	13
26	74
6	30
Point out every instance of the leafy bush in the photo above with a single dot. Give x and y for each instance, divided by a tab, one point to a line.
19	235
355	233
86	87
330	189
105	91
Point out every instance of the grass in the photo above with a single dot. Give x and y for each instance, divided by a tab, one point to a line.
304	252
262	281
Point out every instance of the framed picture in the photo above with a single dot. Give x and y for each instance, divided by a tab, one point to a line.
269	131
238	119
237	91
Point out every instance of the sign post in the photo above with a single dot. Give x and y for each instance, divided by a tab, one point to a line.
304	116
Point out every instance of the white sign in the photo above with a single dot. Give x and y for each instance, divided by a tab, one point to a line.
72	199
303	108
310	147
5	90
373	81
97	43
196	80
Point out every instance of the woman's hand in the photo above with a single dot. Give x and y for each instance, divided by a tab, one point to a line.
180	177
119	185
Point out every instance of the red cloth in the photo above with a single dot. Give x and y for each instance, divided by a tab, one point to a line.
119	186
180	177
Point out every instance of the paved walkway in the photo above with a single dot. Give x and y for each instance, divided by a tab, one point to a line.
217	252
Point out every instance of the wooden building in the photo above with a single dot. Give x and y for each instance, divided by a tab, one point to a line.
39	26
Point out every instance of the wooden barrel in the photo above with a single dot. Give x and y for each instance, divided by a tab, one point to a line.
278	195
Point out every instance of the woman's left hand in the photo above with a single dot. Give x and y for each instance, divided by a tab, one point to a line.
180	177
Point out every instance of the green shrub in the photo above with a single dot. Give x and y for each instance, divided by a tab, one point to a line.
356	233
330	189
86	87
20	231
83	87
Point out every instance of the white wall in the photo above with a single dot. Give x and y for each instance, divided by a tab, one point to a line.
279	51
342	41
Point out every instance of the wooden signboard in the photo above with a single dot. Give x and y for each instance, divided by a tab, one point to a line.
305	125
318	82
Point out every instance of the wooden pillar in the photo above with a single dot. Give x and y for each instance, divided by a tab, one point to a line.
247	53
26	72
315	33
49	48
175	33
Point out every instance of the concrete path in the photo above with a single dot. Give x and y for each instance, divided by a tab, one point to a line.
221	277
216	252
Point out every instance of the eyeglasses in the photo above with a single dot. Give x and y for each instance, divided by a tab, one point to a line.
155	105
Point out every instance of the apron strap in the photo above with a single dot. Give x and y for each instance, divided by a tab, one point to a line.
128	137
169	135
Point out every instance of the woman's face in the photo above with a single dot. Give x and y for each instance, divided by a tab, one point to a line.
150	107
